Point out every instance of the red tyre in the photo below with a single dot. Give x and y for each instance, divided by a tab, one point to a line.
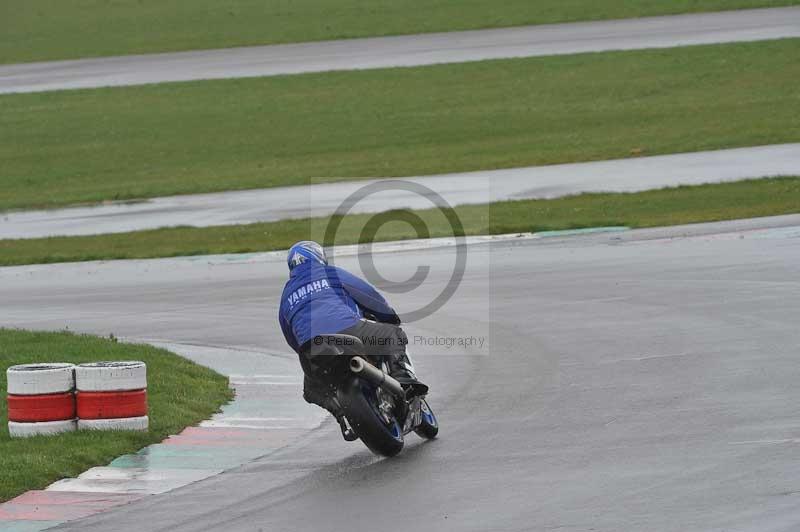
112	405
41	408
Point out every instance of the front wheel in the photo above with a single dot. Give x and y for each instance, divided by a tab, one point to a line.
366	410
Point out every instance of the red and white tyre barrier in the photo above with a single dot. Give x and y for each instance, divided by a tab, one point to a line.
112	396
40	399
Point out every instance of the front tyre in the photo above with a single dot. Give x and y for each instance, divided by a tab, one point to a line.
360	403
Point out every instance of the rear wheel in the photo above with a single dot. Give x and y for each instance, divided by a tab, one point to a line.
429	425
371	417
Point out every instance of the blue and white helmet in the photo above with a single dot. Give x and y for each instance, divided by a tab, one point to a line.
305	251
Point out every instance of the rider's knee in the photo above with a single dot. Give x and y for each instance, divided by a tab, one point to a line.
314	392
307	396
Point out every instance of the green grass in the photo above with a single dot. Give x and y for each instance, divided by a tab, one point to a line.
35	30
671	206
180	393
133	142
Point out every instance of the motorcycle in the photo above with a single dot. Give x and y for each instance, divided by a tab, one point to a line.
374	404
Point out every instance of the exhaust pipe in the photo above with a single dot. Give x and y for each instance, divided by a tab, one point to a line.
376	376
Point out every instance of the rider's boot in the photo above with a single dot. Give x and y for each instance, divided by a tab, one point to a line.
402	370
317	396
347	431
332	406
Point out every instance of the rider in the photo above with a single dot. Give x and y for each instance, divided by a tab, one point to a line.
319	299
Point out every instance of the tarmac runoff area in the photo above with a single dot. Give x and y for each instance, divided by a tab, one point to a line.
631	380
403	51
264	205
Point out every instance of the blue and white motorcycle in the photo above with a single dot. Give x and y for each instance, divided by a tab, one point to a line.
374	404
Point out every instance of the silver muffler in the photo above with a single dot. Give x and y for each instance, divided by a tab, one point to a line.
376	376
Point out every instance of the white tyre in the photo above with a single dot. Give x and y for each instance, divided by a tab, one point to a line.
25	430
111	376
40	379
130	423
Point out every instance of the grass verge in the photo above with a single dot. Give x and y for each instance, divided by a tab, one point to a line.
180	394
38	30
135	142
670	206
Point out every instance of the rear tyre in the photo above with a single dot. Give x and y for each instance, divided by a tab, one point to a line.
429	425
360	405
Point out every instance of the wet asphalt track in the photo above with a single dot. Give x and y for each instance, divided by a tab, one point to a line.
653	32
280	203
634	381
